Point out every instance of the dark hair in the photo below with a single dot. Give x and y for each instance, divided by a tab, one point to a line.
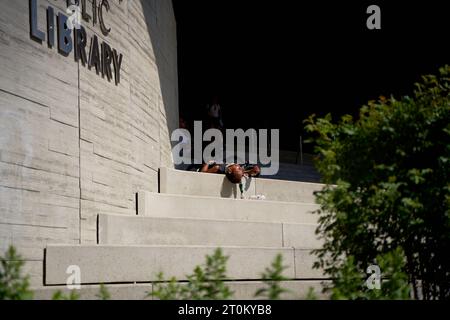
234	173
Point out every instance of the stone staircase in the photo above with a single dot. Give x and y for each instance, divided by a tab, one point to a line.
294	168
296	172
190	217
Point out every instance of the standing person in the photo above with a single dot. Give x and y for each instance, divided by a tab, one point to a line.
215	114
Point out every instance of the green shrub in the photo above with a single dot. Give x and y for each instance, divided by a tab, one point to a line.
272	277
13	284
103	293
206	283
311	295
59	295
391	174
350	283
171	290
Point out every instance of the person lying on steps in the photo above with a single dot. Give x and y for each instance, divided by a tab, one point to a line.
234	172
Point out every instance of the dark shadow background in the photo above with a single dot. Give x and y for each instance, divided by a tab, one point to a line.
273	63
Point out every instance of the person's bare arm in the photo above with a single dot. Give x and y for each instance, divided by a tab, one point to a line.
214	169
253	172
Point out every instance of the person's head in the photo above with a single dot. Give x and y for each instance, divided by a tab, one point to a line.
234	173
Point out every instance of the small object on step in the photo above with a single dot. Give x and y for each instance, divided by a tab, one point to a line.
260	197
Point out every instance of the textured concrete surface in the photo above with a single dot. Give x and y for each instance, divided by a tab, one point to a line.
72	144
304	261
296	290
201	184
279	190
121	230
296	172
91	292
214	185
112	264
168	205
302	236
242	290
138	230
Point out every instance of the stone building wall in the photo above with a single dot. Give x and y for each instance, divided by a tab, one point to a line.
73	144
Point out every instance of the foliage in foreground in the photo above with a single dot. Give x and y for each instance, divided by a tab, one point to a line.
352	284
208	282
103	294
72	296
13	284
387	199
272	277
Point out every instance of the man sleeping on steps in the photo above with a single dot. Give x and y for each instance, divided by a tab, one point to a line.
234	172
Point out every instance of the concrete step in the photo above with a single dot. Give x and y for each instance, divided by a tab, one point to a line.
131	264
293	157
215	185
91	292
279	190
295	177
181	206
138	230
288	167
242	290
296	289
201	184
292	172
